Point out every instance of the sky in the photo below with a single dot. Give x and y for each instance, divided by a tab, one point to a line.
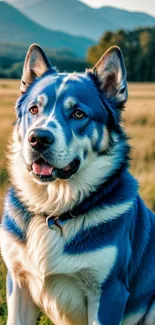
147	6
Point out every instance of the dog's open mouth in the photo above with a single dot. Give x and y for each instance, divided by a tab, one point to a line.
43	171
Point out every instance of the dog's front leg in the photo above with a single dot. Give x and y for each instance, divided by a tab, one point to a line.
21	308
108	307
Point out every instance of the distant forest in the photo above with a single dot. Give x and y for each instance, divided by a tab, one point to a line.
12	59
138	47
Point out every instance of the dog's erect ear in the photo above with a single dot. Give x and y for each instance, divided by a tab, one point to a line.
35	65
111	73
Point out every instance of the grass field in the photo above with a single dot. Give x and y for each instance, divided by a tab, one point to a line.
139	120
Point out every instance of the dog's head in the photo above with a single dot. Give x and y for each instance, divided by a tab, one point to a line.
68	133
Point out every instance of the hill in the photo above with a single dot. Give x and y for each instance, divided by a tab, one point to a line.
73	16
16	28
12	58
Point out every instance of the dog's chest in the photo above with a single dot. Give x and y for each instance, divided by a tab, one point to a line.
51	272
56	273
46	248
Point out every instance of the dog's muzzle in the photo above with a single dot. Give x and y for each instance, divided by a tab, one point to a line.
41	168
45	172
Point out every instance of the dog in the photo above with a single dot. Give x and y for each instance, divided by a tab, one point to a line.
77	239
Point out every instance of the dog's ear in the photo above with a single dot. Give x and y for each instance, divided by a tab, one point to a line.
111	73
35	65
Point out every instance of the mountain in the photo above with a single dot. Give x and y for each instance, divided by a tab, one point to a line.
73	16
16	28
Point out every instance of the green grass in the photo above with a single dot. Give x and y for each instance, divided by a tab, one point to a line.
3	309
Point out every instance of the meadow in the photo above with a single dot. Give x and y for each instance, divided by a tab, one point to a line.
139	121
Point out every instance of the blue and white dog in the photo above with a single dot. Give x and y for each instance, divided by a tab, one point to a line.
77	239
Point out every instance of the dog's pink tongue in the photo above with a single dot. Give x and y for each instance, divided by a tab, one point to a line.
42	168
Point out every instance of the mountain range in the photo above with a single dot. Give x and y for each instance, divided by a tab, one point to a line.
17	28
74	17
63	24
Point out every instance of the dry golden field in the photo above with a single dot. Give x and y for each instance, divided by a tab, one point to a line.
139	120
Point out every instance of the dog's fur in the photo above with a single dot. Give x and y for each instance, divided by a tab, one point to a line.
99	269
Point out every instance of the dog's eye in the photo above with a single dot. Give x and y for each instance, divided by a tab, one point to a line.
78	115
34	110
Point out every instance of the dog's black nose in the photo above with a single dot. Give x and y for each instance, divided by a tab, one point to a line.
40	139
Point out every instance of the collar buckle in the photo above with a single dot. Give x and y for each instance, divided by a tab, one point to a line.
53	223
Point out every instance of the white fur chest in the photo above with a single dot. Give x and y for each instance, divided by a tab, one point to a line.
46	249
44	253
58	282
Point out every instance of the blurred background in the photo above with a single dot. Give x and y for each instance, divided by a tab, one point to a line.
74	35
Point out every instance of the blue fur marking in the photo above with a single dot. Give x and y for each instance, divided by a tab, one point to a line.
85	154
112	302
121	188
14	201
136	304
142	271
15	213
140	238
10	225
9	284
100	236
52	125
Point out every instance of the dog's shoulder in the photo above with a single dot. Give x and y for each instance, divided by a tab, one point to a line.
16	216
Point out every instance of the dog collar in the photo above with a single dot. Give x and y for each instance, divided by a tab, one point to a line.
56	222
96	199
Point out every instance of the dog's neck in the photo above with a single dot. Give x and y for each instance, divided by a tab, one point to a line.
103	193
63	196
121	187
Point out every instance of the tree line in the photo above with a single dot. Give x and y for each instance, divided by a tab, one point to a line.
138	48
